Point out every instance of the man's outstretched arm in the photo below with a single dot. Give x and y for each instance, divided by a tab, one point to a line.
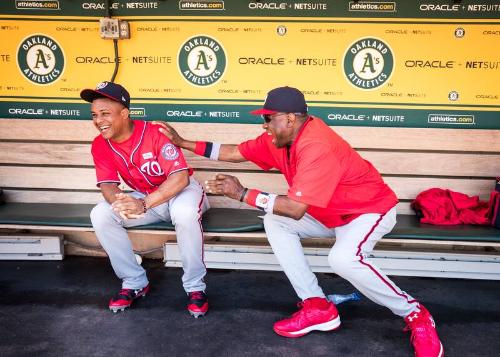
214	151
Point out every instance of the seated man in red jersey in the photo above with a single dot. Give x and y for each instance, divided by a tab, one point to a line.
332	192
163	190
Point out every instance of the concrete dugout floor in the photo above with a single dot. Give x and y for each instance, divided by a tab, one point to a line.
60	309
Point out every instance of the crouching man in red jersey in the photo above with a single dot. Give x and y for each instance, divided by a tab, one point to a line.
332	192
164	190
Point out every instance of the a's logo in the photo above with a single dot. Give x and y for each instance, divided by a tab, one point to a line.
281	30
453	95
459	32
202	61
368	63
40	59
169	152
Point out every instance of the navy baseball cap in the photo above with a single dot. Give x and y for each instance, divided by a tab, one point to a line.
284	100
109	90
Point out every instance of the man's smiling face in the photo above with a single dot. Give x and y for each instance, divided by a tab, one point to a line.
111	119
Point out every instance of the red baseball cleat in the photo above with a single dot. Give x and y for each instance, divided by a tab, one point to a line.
315	314
197	303
125	297
424	337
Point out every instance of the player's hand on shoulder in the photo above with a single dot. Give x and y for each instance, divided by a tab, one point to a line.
167	130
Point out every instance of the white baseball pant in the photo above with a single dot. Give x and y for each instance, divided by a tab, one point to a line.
184	210
348	257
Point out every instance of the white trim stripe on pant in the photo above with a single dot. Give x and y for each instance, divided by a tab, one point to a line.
348	257
389	283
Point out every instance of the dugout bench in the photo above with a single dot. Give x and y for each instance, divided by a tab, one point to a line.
47	175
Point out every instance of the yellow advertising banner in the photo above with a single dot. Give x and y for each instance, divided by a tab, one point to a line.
259	56
441	67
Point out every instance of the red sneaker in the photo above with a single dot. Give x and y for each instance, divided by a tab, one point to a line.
197	303
424	337
315	314
125	298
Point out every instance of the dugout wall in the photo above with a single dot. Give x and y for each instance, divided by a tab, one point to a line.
427	64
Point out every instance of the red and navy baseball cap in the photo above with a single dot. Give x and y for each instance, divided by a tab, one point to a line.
283	100
109	90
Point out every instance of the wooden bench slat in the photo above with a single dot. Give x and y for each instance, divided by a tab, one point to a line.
433	164
410	187
43	196
32	153
84	179
76	154
48	177
50	130
467	140
422	139
396	163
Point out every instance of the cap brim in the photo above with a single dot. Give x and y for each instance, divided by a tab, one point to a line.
263	111
89	95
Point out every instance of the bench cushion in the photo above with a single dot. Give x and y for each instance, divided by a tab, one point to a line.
409	227
218	220
227	220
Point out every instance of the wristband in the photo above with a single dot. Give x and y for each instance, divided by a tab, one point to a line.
143	205
200	147
245	190
262	200
251	197
208	149
270	204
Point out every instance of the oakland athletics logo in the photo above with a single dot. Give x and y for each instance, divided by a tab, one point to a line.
40	59
202	60
368	63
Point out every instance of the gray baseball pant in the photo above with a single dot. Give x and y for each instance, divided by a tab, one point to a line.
184	211
348	256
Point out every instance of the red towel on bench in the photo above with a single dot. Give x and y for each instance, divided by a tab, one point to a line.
445	207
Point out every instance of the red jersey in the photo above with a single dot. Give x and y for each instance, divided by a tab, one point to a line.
144	161
323	171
